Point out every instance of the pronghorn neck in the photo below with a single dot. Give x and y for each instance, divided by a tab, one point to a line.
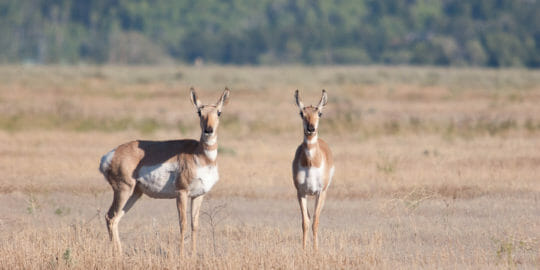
311	145
311	139
209	147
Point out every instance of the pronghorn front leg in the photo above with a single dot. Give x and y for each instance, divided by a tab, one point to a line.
319	203
181	204
305	217
195	207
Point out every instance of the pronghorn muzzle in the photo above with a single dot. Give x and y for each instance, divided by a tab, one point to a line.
209	130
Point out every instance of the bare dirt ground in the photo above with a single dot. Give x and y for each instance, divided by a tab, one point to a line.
435	168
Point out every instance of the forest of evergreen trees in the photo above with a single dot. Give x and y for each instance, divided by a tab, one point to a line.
495	33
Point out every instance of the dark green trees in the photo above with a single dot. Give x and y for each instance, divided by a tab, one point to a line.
424	32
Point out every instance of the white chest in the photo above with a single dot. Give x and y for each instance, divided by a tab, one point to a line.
158	180
311	179
310	152
204	179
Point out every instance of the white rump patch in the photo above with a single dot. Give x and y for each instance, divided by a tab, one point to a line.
310	179
106	161
205	178
159	180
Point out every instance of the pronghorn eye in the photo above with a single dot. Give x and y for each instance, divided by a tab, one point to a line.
199	113
320	114
218	113
302	114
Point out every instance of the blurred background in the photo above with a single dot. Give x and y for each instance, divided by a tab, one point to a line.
420	32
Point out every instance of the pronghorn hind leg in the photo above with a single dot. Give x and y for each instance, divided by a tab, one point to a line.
135	196
123	197
181	204
302	200
110	215
319	203
195	207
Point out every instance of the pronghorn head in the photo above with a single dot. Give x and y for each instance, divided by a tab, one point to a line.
209	114
311	114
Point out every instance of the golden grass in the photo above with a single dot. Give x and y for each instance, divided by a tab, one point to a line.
435	168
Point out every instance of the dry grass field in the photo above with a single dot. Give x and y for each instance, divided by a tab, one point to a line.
435	168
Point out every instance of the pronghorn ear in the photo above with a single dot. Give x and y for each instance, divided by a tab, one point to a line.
298	100
224	99
324	100
194	99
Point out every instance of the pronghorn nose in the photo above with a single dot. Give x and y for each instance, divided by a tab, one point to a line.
310	128
208	130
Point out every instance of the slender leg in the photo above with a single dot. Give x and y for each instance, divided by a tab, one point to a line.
195	207
123	201
319	202
181	204
109	217
133	199
305	217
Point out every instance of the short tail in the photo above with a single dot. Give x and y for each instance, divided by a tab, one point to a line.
105	163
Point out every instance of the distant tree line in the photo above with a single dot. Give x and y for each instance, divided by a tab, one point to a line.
492	33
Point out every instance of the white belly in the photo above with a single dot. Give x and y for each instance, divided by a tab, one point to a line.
205	178
158	181
310	179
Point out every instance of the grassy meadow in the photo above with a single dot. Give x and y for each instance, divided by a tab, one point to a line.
435	167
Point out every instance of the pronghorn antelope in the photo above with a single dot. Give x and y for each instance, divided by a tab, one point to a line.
180	169
312	167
